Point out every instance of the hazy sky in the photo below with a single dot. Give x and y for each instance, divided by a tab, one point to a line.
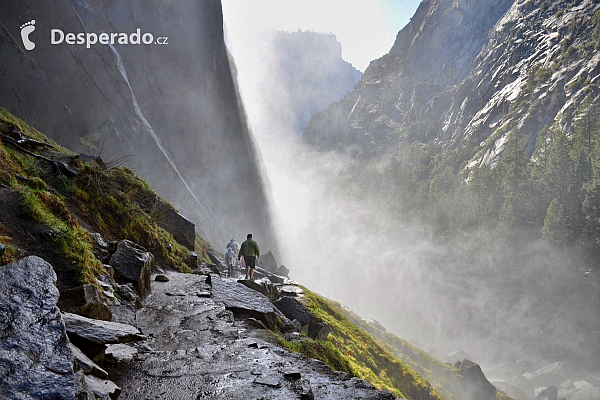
365	28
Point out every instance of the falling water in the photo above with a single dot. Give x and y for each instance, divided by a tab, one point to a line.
149	129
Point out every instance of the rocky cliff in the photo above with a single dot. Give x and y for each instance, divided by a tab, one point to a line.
467	73
169	109
305	72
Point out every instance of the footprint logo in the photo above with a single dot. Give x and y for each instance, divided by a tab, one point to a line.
26	30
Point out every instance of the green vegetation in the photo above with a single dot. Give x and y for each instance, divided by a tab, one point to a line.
386	361
350	349
550	194
72	241
113	200
122	205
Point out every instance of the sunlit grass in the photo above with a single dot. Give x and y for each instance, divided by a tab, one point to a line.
350	349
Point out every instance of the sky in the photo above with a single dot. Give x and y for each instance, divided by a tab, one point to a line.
365	28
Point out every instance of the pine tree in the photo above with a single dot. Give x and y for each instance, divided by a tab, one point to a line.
555	230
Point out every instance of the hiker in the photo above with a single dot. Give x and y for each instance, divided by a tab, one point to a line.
251	252
230	261
233	245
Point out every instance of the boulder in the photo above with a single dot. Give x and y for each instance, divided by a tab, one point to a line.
291	374
2	249
92	336
176	224
548	375
215	260
267	262
550	393
83	363
476	386
292	309
100	247
120	353
88	301
264	286
161	278
100	332
134	264
291	290
318	330
126	292
193	259
36	361
282	271
102	388
243	301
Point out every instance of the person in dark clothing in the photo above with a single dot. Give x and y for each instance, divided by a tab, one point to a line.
250	252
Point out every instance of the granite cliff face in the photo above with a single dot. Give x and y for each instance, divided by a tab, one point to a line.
172	110
305	72
467	73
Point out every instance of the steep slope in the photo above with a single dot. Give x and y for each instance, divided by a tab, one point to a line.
464	71
52	199
171	110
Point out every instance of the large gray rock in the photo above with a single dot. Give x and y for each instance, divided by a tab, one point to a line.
318	330
283	271
102	389
476	386
100	332
86	300
36	361
101	250
294	310
216	261
133	263
245	301
267	262
263	286
176	224
291	308
83	363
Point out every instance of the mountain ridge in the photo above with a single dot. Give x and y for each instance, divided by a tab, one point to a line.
457	87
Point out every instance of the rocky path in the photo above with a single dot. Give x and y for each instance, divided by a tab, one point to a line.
197	349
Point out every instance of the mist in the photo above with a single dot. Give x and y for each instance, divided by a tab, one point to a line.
340	238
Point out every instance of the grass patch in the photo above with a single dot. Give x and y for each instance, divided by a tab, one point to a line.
122	206
351	349
72	241
112	199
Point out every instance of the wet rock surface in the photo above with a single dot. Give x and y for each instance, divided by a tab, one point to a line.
242	300
476	386
100	332
28	297
86	300
133	263
197	349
